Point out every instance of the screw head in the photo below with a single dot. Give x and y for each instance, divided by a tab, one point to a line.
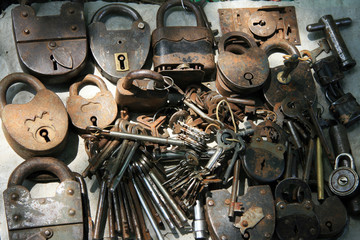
223	237
312	231
279	148
27	31
71	10
16	218
211	203
258	139
70	192
72	212
267	235
74	27
141	25
245	223
52	44
227	201
48	232
281	206
262	191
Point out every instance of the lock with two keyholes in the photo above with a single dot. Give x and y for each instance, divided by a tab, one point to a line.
100	110
36	128
117	52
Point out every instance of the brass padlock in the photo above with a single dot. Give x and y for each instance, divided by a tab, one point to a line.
141	91
185	53
100	110
118	52
52	48
36	128
240	70
55	218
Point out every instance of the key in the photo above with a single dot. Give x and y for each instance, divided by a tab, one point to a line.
124	220
130	221
111	217
133	212
117	212
313	54
101	208
239	147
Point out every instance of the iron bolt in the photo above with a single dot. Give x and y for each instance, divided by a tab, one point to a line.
72	212
258	139
48	232
223	237
312	231
227	201
282	206
52	44
211	202
73	27
245	223
71	192
26	31
267	235
16	217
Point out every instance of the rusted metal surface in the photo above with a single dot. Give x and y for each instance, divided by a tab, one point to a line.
39	127
100	110
186	50
60	217
126	48
53	48
242	70
141	91
263	23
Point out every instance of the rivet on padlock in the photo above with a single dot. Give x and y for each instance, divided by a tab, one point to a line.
117	52
137	93
240	70
59	217
36	128
100	110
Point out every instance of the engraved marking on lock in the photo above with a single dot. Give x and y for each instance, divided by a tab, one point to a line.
91	106
41	128
121	62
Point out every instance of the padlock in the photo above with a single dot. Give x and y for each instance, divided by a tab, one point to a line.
241	70
141	91
185	53
295	216
100	110
58	217
346	109
36	128
118	52
52	48
344	180
327	71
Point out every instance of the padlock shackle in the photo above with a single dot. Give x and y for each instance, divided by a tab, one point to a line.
278	45
13	78
38	164
89	79
345	157
160	16
141	74
115	9
240	35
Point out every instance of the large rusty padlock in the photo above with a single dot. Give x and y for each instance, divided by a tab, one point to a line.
118	52
240	70
100	110
58	217
52	48
36	128
185	53
141	91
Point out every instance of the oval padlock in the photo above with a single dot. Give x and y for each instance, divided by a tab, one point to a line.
118	52
344	181
100	110
241	70
57	217
141	91
36	128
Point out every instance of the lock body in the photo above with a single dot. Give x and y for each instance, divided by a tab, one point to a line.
184	53
118	52
141	91
52	48
36	128
58	217
100	110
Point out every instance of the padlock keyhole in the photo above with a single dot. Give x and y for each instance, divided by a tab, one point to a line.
45	134
93	119
249	77
261	23
263	164
54	62
329	225
122	59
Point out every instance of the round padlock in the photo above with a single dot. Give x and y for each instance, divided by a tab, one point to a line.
36	128
100	110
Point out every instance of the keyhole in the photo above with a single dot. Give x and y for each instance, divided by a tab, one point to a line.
121	59
93	119
54	62
329	225
296	230
263	164
261	23
45	134
248	76
291	105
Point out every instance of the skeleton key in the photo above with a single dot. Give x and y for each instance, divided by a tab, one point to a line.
239	148
313	54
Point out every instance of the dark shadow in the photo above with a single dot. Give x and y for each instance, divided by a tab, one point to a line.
68	154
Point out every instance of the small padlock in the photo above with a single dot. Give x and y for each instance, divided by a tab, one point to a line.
185	53
100	110
346	109
118	52
58	217
36	128
141	91
241	70
52	48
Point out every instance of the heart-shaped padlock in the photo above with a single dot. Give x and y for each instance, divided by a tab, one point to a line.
101	110
38	127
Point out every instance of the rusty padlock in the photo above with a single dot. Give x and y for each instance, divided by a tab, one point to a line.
185	53
100	110
139	94
36	128
52	48
240	70
58	217
118	52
